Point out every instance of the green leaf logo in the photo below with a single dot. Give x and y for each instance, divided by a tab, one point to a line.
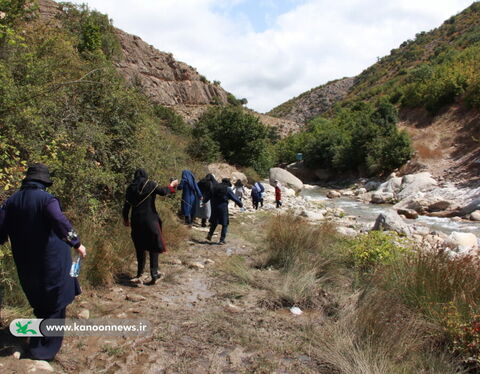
23	329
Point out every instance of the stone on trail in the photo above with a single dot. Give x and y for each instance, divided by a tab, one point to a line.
135	298
296	311
84	314
209	262
39	366
196	266
286	179
233	308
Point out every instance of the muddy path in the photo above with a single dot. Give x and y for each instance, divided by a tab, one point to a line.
203	320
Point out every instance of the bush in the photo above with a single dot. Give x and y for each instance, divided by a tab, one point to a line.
239	137
363	137
375	248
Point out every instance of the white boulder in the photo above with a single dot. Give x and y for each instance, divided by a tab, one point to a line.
463	242
413	183
285	178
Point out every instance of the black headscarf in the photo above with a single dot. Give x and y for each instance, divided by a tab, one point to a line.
220	189
138	189
206	185
238	183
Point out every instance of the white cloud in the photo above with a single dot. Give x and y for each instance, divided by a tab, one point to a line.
318	41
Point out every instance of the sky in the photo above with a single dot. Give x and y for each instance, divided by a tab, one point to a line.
269	51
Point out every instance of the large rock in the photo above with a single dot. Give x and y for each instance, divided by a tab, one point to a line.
424	203
475	216
379	197
392	185
414	183
409	213
286	179
332	194
463	242
372	185
391	221
222	170
470	208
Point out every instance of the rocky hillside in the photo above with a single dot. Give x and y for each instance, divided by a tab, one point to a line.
313	103
165	80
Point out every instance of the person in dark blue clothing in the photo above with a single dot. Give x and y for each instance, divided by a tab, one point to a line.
41	238
191	195
257	194
219	201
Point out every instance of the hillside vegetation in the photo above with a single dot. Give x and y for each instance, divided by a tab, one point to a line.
63	103
430	74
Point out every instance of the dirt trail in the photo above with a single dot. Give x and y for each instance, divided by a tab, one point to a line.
202	321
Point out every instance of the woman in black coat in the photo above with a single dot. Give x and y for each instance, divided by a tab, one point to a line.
145	222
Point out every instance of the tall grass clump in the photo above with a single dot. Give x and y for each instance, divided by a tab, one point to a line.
309	259
443	290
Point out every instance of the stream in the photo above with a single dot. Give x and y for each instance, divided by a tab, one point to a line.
367	213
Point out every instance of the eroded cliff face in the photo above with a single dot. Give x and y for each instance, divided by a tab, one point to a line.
165	80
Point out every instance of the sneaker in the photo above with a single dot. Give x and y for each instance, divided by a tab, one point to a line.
222	241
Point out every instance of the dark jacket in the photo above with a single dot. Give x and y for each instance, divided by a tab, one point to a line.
145	221
219	200
257	190
41	238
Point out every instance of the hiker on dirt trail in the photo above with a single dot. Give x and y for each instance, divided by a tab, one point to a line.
204	210
41	238
239	190
191	195
257	195
145	221
220	196
278	194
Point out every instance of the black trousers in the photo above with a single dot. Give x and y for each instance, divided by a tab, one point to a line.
153	263
45	348
278	203
223	234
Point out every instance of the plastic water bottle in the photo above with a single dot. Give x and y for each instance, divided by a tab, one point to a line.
75	269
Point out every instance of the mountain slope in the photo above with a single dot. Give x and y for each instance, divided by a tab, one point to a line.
434	81
313	103
162	78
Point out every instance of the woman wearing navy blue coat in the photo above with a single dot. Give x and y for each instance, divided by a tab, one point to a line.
41	238
191	195
219	200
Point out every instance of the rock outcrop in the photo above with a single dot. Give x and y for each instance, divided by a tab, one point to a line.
165	80
314	102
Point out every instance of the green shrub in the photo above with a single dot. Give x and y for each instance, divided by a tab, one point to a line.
361	137
239	136
375	248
